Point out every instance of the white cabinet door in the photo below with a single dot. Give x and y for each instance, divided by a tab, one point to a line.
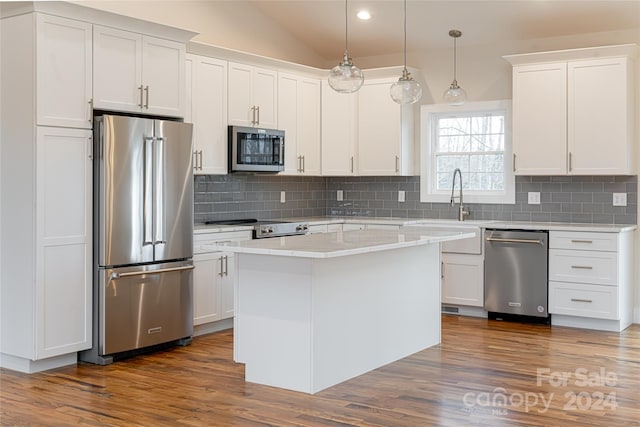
64	232
213	290
208	107
339	130
226	289
265	97
540	119
136	73
379	130
64	72
117	70
309	145
252	96
299	117
206	283
600	125
463	280
163	76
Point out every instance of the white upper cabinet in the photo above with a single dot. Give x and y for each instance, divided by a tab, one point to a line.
63	72
252	95
366	133
137	73
339	132
573	112
540	119
600	117
299	117
206	108
384	139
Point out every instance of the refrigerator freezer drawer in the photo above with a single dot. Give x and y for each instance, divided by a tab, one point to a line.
145	305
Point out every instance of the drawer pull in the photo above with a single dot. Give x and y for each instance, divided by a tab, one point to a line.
584	267
580	300
581	241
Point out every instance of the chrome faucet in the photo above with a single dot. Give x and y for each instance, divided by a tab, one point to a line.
461	212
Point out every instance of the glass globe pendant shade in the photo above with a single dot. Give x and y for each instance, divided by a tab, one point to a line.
455	95
406	90
346	77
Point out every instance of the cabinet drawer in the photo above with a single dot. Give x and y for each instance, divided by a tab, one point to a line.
201	239
599	268
576	299
607	242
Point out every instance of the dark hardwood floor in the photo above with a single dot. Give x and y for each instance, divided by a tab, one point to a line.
485	373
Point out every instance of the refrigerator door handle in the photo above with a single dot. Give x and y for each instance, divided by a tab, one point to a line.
158	191
147	217
115	275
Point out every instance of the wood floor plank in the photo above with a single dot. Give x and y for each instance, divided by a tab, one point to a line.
484	373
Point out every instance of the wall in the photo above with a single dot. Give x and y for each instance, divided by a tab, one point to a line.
568	199
237	196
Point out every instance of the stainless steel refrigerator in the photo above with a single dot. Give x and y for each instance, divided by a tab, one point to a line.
143	235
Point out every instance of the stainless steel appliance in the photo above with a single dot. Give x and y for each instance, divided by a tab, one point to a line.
255	149
515	273
269	228
143	235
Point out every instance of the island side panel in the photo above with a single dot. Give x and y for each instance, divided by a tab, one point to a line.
272	334
372	309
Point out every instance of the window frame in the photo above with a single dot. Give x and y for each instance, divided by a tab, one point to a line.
428	115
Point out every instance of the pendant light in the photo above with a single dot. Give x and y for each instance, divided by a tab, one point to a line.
455	95
406	90
346	77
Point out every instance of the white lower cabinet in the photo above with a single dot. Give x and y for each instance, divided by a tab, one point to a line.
213	287
462	279
214	276
590	279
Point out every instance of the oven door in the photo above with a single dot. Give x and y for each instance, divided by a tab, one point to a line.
255	150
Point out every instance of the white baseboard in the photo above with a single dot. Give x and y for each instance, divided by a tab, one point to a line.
29	366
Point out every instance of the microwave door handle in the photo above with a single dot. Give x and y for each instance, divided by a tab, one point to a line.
147	189
158	180
281	142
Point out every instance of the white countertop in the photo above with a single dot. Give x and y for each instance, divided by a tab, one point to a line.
330	245
555	226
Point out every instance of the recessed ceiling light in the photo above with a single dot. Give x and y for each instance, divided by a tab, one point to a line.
364	15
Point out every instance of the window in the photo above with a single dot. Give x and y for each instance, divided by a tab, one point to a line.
475	138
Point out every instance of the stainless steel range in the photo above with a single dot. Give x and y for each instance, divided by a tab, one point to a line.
268	228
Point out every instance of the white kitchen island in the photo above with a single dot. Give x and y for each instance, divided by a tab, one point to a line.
312	311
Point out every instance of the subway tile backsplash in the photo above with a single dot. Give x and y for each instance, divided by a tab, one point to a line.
585	199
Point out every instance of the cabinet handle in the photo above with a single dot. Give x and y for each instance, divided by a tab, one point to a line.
570	162
146	89
221	273
90	110
226	265
581	241
195	160
258	111
514	162
351	164
442	269
397	164
141	104
299	169
253	114
200	155
90	140
302	169
580	300
583	267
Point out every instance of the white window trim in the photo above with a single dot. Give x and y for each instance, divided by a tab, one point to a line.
427	115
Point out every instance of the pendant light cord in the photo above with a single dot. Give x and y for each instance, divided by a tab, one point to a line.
405	34
454	60
346	26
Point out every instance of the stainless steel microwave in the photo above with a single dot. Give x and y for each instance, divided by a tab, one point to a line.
255	149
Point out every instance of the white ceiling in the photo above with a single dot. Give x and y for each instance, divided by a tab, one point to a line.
320	24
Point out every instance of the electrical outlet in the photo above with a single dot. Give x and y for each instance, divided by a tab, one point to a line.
282	197
619	199
401	196
534	197
340	195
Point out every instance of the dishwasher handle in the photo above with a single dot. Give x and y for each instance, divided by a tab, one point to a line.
502	240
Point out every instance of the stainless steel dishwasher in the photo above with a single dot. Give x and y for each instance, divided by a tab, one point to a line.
515	273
